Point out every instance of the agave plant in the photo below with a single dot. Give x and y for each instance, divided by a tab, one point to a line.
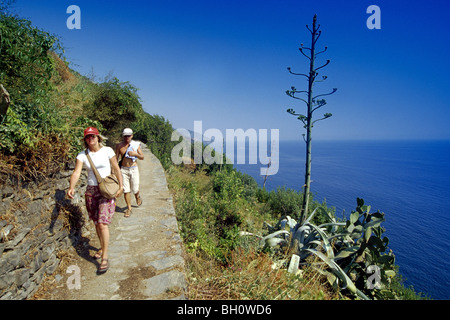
348	248
365	247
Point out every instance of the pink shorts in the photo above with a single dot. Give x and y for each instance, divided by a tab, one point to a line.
100	209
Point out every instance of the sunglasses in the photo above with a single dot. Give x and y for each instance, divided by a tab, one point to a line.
90	136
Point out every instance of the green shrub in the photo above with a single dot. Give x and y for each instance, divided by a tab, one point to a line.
285	202
26	68
227	185
250	186
156	132
115	105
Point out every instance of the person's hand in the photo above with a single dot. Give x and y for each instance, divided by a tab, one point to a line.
119	192
71	193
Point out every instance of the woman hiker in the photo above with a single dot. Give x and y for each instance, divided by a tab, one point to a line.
100	209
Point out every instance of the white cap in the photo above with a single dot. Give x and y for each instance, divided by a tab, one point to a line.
127	132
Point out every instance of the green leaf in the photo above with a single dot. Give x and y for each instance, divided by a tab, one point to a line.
354	216
359	202
374	222
386	259
367	234
311	215
356	232
277	233
348	283
326	243
376	242
346	252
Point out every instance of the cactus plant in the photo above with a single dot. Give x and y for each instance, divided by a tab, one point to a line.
348	248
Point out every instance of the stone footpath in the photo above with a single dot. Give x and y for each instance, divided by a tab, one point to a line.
145	251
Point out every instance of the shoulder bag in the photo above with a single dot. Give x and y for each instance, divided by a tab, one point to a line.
108	186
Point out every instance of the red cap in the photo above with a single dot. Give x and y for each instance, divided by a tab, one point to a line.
91	130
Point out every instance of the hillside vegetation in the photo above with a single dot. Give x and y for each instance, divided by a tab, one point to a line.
51	105
238	236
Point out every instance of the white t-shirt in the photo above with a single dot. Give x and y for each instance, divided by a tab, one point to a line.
101	162
134	146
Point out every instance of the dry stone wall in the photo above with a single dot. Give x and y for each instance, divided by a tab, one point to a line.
37	224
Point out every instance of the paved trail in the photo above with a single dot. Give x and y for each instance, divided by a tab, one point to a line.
145	249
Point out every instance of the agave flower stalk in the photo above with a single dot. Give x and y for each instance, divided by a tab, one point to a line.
312	103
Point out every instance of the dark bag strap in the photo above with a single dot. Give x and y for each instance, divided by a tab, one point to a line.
97	175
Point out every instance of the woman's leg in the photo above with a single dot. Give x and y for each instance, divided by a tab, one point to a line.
106	212
99	253
103	235
93	198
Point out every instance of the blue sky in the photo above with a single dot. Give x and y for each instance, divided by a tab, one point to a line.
225	62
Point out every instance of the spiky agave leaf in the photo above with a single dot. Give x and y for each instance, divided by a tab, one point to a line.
348	283
272	239
273	242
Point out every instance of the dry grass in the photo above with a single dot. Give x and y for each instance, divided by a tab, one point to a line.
250	275
61	68
72	216
178	177
39	163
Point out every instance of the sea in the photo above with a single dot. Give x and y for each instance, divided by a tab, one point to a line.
407	180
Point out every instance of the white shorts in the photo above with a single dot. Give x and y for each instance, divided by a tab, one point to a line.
130	179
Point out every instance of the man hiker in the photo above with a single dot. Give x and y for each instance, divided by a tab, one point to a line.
129	150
